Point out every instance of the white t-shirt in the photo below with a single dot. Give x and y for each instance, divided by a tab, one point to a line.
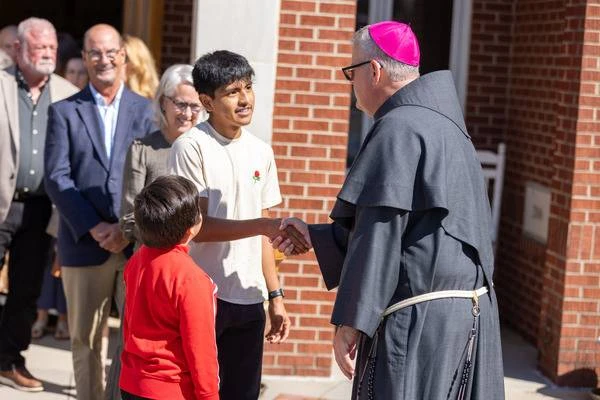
239	178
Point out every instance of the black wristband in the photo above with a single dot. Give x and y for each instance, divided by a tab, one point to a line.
276	293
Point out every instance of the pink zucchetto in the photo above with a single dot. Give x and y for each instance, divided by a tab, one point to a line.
396	40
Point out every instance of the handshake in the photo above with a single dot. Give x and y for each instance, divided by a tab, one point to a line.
289	235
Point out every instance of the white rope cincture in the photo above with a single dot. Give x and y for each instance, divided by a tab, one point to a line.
441	294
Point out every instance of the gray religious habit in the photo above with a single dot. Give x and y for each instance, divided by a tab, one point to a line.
413	218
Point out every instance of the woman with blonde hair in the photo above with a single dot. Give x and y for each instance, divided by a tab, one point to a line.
140	72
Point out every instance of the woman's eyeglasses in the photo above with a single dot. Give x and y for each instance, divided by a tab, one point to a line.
182	106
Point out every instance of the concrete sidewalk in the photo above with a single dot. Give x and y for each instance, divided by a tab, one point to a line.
50	360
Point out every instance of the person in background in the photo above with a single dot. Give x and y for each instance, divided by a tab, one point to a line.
87	140
67	49
76	73
8	57
169	345
140	71
8	37
30	87
177	109
5	60
52	295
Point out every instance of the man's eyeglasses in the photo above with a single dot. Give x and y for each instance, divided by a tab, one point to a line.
349	70
182	106
96	55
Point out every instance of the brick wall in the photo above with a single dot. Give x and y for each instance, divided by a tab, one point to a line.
177	32
578	358
310	126
489	67
544	97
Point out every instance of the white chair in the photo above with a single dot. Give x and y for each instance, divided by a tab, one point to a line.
493	172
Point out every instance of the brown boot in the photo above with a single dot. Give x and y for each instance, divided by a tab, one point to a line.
20	378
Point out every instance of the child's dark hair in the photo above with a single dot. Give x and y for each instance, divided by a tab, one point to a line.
165	209
220	68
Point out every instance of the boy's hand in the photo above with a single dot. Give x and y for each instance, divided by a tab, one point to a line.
292	230
279	320
294	239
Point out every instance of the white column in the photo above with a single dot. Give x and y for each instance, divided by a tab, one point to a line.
250	28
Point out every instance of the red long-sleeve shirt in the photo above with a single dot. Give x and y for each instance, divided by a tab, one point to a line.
169	345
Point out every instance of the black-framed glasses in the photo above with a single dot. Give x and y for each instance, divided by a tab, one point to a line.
182	106
96	55
349	70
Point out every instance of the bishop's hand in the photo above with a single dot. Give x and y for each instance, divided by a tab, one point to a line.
291	231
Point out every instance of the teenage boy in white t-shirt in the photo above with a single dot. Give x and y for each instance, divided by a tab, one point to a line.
236	176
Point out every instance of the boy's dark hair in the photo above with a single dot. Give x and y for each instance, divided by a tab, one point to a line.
165	209
220	68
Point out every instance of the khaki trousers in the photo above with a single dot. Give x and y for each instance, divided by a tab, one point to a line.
89	291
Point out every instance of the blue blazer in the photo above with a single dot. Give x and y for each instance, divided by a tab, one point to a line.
81	181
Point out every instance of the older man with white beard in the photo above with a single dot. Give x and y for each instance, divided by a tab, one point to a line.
26	91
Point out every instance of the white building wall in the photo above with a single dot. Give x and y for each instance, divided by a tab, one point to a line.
250	28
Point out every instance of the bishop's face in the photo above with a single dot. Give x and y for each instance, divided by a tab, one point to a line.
362	82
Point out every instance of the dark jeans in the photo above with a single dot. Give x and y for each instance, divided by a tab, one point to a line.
128	396
23	233
240	336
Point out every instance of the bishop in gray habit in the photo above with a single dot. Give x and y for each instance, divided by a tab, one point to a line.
413	218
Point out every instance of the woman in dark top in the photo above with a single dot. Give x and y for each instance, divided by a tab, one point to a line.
177	109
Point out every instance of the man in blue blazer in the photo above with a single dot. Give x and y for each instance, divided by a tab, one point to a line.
87	140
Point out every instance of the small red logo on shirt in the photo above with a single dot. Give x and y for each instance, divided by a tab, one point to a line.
256	176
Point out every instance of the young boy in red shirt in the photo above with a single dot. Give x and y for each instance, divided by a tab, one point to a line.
169	347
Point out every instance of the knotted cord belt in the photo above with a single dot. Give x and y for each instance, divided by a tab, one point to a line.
411	301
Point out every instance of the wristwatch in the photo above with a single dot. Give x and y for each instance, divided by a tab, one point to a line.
276	293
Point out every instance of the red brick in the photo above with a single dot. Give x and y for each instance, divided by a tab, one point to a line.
287	19
323	191
317	47
291	111
313	73
289	190
331	113
310	125
329	139
323	87
305	177
317	20
327	165
317	295
300	308
302	334
312	151
315	322
333	61
291	164
293	5
313	99
295	360
288	32
305	204
294	59
292	85
301	281
313	348
336	8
